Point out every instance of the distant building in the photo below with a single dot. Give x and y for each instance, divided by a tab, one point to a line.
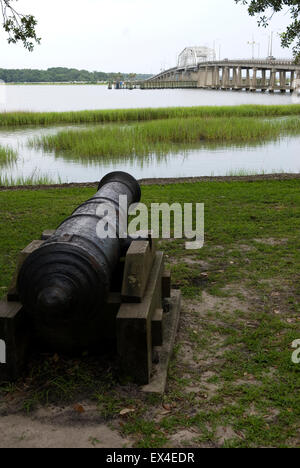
192	56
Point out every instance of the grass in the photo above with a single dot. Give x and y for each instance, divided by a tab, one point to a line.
164	136
35	178
7	156
17	119
231	380
251	172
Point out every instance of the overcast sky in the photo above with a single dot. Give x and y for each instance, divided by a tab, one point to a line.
136	35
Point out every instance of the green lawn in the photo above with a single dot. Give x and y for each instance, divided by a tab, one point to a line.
231	380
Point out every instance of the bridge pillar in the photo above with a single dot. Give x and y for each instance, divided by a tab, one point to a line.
214	80
206	77
283	81
239	81
254	80
217	77
272	80
234	78
263	79
201	78
248	84
225	78
292	79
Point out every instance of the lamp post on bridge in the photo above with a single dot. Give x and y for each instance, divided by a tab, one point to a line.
252	43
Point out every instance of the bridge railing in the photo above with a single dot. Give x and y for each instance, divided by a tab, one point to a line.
250	62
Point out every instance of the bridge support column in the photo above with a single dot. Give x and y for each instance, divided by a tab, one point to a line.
248	83
292	81
272	80
206	77
217	77
283	81
254	80
225	78
263	80
234	78
239	83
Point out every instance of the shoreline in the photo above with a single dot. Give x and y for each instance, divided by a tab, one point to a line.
161	181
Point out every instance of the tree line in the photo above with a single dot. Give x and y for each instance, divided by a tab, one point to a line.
60	75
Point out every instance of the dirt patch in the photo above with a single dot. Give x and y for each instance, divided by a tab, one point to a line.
25	432
221	304
224	434
183	438
271	241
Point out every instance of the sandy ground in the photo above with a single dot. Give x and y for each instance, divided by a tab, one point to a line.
27	432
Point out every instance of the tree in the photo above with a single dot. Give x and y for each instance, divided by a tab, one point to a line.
19	27
265	9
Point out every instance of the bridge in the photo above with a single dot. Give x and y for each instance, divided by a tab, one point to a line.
251	75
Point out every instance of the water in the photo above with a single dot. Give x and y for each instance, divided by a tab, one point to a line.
206	160
60	98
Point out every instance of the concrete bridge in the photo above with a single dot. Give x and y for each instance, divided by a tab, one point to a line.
250	75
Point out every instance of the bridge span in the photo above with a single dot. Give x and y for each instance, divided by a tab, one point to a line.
250	75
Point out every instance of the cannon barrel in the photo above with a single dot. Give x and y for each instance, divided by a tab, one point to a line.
65	282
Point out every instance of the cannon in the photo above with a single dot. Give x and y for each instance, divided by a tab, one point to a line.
76	291
65	282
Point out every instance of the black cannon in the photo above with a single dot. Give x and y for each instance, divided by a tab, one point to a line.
64	283
78	290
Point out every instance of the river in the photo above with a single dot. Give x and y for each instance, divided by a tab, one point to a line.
50	98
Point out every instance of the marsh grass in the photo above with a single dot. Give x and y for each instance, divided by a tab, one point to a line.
35	178
163	136
251	172
16	119
7	156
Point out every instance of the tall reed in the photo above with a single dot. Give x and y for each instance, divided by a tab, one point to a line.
7	156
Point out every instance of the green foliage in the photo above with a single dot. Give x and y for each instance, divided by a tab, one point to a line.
62	75
20	28
265	9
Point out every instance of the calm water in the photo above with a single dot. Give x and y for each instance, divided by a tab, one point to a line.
64	98
206	160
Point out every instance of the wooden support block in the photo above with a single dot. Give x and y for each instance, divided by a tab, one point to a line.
157	384
157	328
12	295
134	328
166	284
14	338
47	234
138	264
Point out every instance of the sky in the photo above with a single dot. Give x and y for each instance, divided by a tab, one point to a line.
142	36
